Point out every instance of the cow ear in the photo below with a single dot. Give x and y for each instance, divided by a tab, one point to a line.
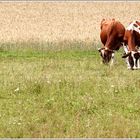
125	55
103	20
99	49
102	23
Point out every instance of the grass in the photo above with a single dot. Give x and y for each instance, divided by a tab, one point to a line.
62	90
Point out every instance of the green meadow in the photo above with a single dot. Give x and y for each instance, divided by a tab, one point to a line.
63	90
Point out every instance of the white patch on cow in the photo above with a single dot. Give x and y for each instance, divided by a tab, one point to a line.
139	61
125	48
128	64
134	59
102	51
113	55
133	28
112	59
138	65
133	52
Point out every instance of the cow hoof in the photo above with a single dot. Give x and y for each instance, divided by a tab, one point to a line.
129	68
135	68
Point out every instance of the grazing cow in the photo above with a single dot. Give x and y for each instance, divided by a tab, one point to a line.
111	35
132	42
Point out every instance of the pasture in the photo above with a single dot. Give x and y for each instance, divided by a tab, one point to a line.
52	81
62	90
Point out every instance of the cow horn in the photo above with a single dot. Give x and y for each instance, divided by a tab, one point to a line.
102	20
99	49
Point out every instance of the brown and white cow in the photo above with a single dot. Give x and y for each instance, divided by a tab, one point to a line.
111	35
132	42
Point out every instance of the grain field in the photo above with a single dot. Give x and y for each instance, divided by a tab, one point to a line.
58	21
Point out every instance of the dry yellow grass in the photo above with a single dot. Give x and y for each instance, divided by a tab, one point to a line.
58	21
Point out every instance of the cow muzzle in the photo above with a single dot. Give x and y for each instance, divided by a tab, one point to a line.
106	55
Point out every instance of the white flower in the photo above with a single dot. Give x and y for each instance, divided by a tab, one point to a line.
112	86
17	89
48	82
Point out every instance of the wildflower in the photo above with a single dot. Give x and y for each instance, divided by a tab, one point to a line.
17	89
112	86
48	82
19	123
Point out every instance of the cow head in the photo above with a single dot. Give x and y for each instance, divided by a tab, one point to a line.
106	55
132	56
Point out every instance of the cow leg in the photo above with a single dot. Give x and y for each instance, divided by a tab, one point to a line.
128	64
134	59
132	48
138	63
126	59
125	48
138	60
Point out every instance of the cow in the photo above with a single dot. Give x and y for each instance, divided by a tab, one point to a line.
132	42
111	35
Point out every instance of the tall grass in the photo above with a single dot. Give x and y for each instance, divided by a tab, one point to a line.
62	90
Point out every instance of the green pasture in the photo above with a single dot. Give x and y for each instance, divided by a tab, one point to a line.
50	90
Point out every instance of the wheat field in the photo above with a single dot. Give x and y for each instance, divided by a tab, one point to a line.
58	21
